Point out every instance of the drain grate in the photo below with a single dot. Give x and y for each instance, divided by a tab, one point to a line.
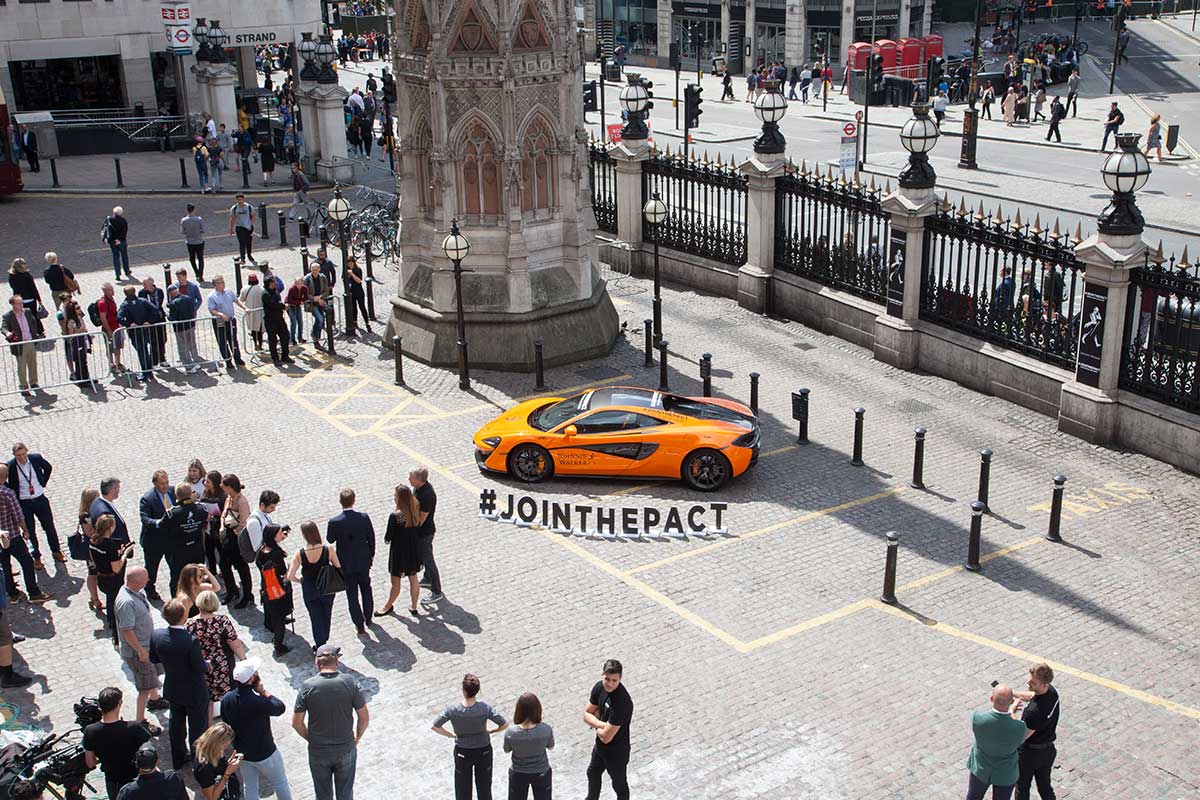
804	346
598	373
913	406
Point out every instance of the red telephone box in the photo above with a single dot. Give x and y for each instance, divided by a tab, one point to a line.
910	57
933	46
858	54
890	53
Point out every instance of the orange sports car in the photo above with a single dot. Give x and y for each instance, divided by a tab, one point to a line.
620	431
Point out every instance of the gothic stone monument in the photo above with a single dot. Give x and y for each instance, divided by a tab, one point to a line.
489	126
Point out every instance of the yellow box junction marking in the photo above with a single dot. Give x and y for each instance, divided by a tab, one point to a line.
1113	494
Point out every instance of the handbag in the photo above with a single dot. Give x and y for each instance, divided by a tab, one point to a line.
330	580
77	545
271	584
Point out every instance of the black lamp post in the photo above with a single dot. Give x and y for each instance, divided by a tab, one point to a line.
655	212
339	212
216	43
200	34
326	54
634	99
918	136
970	126
1125	171
456	247
308	51
770	107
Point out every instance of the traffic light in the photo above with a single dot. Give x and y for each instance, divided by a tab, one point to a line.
674	59
691	106
1119	18
936	73
589	96
649	87
389	88
877	71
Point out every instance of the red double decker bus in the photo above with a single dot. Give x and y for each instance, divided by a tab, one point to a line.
10	168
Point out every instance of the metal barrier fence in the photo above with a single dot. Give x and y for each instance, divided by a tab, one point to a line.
55	361
706	206
603	177
1010	283
832	232
1160	354
136	128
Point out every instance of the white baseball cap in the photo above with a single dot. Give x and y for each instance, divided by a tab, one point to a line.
245	670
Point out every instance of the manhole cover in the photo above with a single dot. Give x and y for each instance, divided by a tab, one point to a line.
598	373
804	346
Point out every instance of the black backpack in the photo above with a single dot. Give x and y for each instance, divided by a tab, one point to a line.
93	310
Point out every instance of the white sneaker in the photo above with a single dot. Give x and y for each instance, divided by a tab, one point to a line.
432	598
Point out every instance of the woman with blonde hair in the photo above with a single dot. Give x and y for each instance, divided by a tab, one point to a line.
217	764
194	579
1154	136
85	527
404	556
219	641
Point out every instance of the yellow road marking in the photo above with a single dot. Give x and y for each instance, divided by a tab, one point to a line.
787	523
1150	112
346	395
571	389
1032	658
920	583
806	625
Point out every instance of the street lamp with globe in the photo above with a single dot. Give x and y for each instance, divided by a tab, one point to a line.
216	43
1125	170
326	54
770	107
339	212
200	34
655	213
919	135
308	51
456	247
634	99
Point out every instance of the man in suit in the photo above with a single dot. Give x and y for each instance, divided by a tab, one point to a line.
20	329
152	508
28	474
29	144
993	762
106	503
351	531
184	687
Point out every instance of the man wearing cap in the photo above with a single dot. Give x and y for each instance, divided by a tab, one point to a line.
151	782
248	708
331	700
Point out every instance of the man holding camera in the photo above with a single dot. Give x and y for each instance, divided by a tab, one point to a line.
1036	755
112	742
248	708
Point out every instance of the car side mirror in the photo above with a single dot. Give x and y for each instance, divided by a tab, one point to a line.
570	431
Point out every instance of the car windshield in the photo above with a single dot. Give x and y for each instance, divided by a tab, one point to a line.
551	416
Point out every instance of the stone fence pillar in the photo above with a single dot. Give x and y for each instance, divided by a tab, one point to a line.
896	340
755	290
627	156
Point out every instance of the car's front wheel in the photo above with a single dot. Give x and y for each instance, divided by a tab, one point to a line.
530	463
706	470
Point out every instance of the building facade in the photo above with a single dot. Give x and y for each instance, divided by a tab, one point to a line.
93	54
747	32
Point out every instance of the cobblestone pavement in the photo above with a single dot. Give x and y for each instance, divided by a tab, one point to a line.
761	664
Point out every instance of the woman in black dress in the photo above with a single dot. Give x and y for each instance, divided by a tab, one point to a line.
276	590
404	559
109	558
266	151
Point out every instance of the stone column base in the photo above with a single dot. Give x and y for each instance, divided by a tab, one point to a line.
339	171
753	288
1087	413
896	342
570	333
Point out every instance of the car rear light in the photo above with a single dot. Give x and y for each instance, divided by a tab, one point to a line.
492	442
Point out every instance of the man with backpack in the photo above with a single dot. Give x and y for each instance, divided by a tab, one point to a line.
103	313
299	192
114	233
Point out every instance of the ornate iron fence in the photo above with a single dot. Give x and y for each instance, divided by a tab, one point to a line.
1010	283
706	206
603	176
1160	354
832	232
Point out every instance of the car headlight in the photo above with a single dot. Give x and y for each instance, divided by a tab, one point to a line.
492	441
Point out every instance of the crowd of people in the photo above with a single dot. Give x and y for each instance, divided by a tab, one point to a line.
218	708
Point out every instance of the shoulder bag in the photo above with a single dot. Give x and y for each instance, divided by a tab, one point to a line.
329	579
78	545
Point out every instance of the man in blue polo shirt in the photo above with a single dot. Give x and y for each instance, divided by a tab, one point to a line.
221	303
248	708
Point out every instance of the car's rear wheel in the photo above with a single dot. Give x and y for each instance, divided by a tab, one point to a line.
530	463
706	470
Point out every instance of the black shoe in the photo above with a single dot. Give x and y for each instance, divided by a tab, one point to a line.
14	680
230	599
282	650
288	361
157	704
245	601
241	363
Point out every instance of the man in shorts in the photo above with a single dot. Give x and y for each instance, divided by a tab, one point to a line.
135	623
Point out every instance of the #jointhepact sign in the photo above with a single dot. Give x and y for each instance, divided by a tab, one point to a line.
604	522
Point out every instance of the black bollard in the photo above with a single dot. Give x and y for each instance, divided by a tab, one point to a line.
120	181
370	283
889	569
539	366
303	257
754	376
1056	508
183	184
54	174
329	329
398	355
237	275
324	234
857	459
977	510
351	326
166	277
262	214
304	231
282	229
706	373
245	173
800	414
985	474
662	366
649	342
918	478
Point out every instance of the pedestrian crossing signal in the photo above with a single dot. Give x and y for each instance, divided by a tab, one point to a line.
691	106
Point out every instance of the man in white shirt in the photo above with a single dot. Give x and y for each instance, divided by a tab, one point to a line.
267	501
28	474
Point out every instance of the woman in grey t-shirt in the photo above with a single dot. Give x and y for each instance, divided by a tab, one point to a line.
528	742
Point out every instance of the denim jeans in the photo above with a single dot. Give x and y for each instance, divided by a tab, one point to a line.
320	610
202	173
296	323
270	768
39	508
318	328
120	256
20	552
332	772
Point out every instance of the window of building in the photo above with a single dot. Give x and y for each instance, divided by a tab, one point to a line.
428	197
538	168
67	83
479	182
